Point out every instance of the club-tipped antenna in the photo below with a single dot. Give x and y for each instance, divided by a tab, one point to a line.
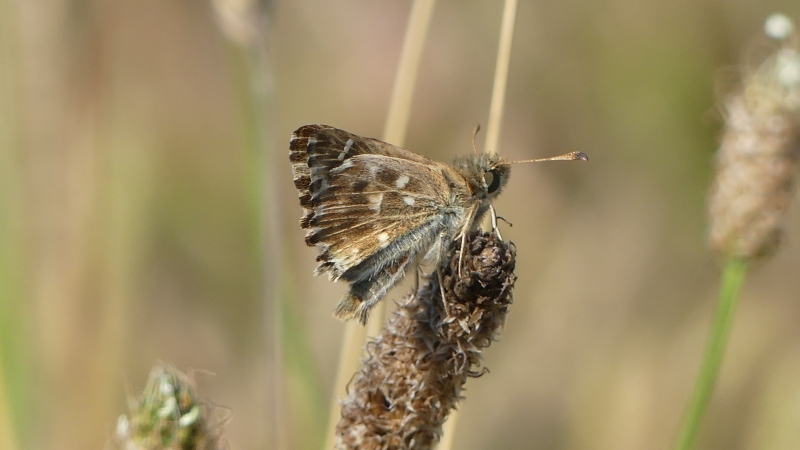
571	156
475	133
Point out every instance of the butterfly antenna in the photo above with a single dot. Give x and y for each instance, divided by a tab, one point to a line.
475	133
571	156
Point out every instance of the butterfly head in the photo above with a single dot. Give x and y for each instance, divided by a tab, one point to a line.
486	174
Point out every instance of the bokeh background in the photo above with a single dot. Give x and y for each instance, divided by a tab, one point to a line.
147	214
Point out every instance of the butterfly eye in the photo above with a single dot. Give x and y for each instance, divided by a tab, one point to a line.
492	179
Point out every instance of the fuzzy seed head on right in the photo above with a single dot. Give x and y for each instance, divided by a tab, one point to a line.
757	159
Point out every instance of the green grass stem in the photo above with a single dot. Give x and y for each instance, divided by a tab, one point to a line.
732	279
15	339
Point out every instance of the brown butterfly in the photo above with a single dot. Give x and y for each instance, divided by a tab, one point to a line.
372	208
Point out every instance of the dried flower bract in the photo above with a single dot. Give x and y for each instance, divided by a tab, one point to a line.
417	367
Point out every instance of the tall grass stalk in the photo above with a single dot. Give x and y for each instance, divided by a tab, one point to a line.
500	77
14	392
7	434
732	279
125	198
394	132
492	141
244	26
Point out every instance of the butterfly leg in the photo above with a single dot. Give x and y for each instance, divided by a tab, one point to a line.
441	287
416	279
505	220
494	221
464	230
461	251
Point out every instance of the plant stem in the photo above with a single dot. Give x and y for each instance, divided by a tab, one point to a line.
732	279
15	339
394	132
500	77
492	140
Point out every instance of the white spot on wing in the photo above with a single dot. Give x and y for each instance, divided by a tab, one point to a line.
402	181
344	166
409	201
311	141
383	237
374	169
347	146
375	202
317	172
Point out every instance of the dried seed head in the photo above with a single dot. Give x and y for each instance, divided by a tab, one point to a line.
168	415
417	367
758	157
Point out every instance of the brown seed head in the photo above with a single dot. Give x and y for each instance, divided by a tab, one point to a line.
417	367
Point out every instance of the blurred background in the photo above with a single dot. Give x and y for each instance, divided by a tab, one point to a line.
147	213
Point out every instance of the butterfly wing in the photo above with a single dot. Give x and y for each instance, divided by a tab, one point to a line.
369	207
322	147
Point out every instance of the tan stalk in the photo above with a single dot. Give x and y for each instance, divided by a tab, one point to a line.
500	77
244	24
492	140
394	132
7	432
12	293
